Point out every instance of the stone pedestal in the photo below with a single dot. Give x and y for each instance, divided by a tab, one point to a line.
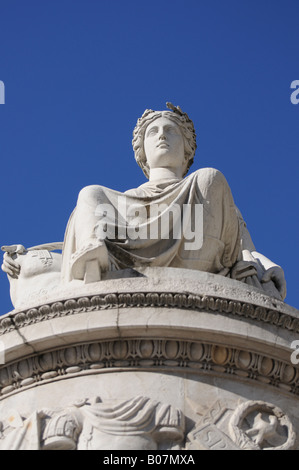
158	358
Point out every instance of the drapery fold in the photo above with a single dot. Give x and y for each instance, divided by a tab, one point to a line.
194	222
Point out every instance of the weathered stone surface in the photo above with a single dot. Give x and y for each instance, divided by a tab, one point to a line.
192	343
164	342
170	221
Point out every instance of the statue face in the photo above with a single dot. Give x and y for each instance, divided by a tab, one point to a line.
164	144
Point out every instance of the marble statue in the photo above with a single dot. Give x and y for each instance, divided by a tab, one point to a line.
173	220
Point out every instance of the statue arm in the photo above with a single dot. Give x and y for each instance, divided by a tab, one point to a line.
266	269
272	272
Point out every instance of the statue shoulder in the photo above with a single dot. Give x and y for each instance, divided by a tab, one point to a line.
209	176
207	171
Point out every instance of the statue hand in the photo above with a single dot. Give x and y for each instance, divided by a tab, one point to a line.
11	266
243	269
276	274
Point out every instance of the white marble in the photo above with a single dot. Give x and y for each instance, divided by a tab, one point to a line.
150	225
194	351
178	341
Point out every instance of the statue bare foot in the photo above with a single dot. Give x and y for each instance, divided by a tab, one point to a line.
90	261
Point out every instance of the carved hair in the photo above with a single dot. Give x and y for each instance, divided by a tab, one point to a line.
181	119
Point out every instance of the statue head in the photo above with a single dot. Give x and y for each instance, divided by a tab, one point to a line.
176	115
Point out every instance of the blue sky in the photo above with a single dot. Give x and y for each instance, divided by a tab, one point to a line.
78	74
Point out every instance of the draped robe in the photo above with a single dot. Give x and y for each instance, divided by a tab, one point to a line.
219	226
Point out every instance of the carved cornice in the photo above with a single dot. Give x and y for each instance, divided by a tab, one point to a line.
155	355
189	301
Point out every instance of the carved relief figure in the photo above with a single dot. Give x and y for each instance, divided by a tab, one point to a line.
141	423
136	424
173	220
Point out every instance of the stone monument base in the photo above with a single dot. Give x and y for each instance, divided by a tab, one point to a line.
158	358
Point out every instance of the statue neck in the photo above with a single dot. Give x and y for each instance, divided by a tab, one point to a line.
165	173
